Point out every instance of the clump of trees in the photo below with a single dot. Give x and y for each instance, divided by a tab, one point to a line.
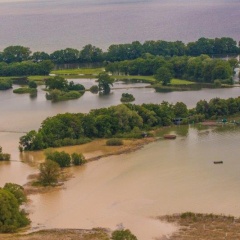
12	196
59	89
50	170
127	97
64	159
4	156
125	120
199	69
26	68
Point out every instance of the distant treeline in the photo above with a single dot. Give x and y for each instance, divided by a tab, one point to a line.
199	69
121	121
120	52
26	68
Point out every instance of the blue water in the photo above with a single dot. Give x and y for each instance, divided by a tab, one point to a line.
55	24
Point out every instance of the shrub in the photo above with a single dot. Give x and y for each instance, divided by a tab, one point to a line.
25	90
62	158
127	97
114	142
123	235
5	84
78	159
217	83
94	89
32	84
4	156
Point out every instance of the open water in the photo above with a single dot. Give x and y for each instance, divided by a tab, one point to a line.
56	24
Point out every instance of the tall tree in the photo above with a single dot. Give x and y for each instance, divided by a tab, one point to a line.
104	83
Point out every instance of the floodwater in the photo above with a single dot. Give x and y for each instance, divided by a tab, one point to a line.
164	177
48	25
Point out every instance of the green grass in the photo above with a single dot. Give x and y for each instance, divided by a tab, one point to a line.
23	90
176	81
77	71
37	78
150	79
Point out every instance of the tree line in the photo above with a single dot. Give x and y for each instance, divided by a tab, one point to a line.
26	68
125	120
199	69
121	52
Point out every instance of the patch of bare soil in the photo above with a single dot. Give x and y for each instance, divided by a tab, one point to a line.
204	227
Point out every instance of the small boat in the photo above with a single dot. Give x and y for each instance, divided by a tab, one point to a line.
169	136
218	162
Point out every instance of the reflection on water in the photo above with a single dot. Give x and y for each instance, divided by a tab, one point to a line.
168	176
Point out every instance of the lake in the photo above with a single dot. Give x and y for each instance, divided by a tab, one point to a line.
56	24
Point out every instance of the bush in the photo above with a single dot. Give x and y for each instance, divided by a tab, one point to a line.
217	83
4	156
94	89
123	235
32	84
25	90
78	159
62	158
127	97
5	84
114	142
57	95
49	172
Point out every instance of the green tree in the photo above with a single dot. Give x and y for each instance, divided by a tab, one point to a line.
104	83
163	75
49	172
17	191
180	110
16	54
56	83
11	217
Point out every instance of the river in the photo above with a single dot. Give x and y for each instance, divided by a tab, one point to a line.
164	177
48	25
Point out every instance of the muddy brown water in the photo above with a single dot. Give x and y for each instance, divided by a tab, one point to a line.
131	189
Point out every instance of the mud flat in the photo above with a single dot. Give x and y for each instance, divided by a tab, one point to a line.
204	226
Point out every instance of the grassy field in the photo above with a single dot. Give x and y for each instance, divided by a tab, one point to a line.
77	71
151	79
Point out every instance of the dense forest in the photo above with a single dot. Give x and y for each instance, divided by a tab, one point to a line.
199	69
121	52
125	120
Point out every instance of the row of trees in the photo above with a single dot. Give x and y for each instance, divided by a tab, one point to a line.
120	52
121	121
26	68
200	69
